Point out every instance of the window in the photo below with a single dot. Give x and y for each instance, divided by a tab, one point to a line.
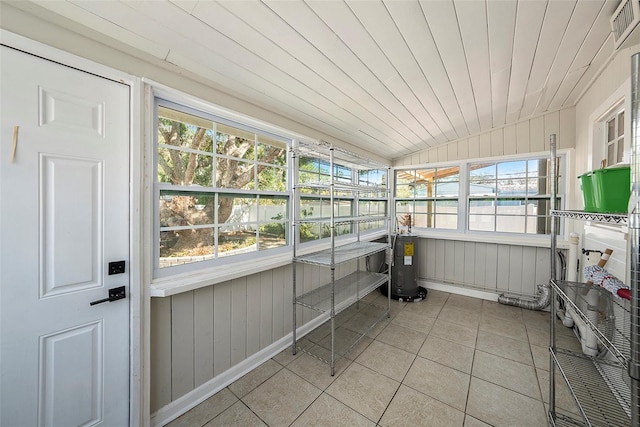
615	137
428	198
315	203
510	196
221	188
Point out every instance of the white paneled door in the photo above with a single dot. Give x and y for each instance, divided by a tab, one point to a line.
64	243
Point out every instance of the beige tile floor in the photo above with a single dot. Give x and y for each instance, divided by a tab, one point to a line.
447	361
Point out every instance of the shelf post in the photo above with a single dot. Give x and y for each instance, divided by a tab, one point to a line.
552	329
634	237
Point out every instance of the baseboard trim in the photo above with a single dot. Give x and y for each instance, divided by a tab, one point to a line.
198	395
458	290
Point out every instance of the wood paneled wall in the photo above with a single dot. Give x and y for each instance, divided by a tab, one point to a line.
197	335
490	267
528	136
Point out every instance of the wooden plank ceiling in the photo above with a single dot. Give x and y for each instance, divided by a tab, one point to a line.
392	77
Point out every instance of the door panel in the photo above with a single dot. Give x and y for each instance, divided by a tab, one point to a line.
71	400
64	215
70	225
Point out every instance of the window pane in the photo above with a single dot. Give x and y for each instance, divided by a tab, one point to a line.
482	206
234	174
185	246
235	142
184	130
620	144
536	168
372	225
238	210
234	240
482	188
537	186
403	206
342	174
183	168
405	190
512	169
482	172
273	207
447	222
178	209
510	207
273	235
421	220
515	186
611	154
621	124
481	222
446	207
342	208
372	208
272	178
271	151
451	174
510	224
611	130
373	177
405	176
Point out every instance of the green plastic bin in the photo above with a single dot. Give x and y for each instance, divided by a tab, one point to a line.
586	183
611	189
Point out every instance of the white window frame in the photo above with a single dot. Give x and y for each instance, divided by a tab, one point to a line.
618	142
463	202
371	233
208	266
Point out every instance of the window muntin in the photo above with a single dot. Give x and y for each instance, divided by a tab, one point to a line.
315	202
509	196
429	196
222	189
615	137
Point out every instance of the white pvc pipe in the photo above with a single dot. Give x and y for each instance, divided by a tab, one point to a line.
587	303
572	275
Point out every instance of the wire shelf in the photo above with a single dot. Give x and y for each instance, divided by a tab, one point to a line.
613	328
562	420
348	290
600	388
342	186
344	253
342	156
339	220
612	218
354	323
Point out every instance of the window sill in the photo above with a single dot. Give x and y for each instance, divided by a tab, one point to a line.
519	240
177	284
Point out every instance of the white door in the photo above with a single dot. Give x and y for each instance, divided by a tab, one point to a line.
64	217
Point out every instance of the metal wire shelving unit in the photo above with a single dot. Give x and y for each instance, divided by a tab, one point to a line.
339	301
600	385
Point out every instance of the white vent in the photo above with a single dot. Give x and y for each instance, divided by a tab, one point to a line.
624	20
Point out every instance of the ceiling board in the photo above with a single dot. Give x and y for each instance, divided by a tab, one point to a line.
315	31
502	20
339	17
391	77
529	18
442	20
411	23
585	12
555	23
380	25
472	21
